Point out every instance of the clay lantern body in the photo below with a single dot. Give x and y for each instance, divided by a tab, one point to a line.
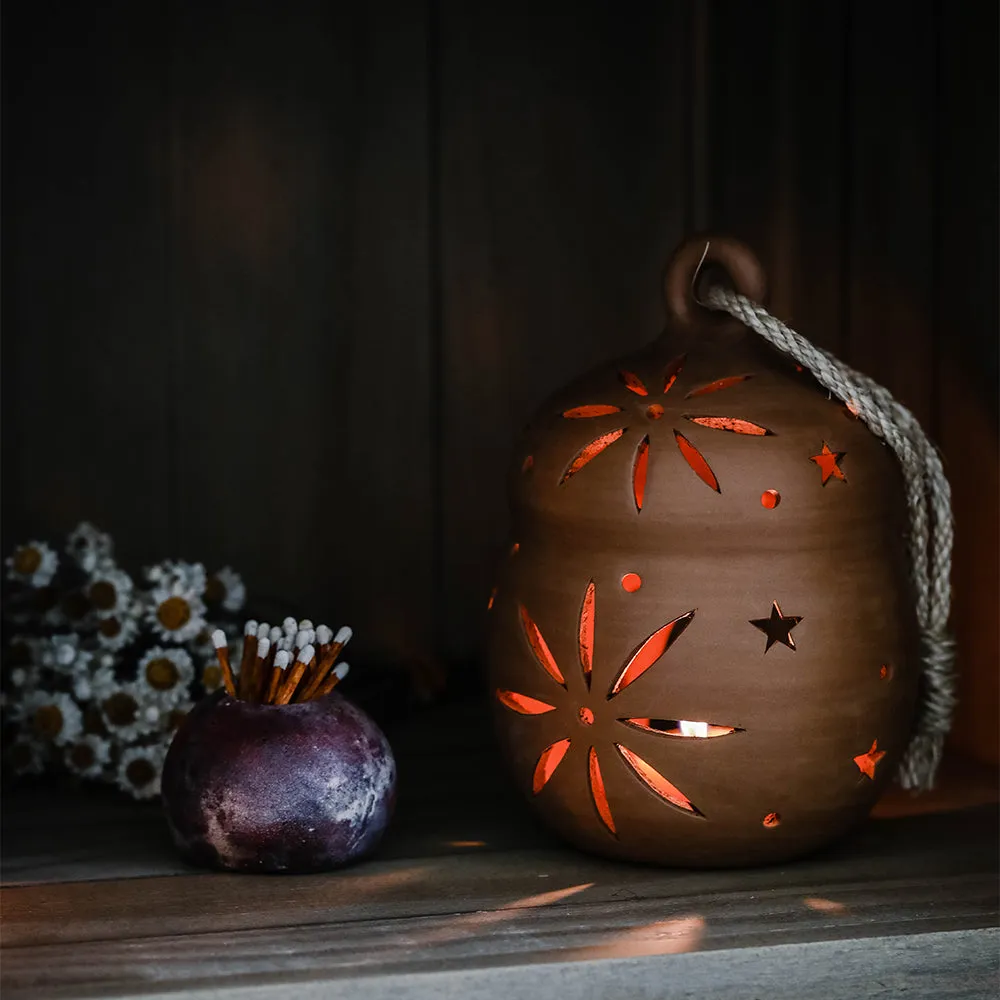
703	641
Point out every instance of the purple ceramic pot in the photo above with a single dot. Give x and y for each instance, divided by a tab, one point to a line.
278	788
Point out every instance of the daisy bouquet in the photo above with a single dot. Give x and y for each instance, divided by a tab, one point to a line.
99	668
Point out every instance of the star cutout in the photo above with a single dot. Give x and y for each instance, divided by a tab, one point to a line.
828	461
867	762
777	628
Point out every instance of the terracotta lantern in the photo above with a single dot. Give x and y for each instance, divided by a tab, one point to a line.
703	638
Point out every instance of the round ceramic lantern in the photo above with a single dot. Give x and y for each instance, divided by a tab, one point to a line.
703	639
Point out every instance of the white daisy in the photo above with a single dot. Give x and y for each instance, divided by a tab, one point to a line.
126	713
119	631
226	588
190	575
139	771
99	682
63	655
211	676
25	679
87	756
25	756
176	611
110	591
34	564
164	675
89	547
51	716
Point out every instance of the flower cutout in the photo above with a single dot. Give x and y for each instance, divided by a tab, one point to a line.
226	589
87	756
654	411
88	547
139	771
34	564
164	676
643	658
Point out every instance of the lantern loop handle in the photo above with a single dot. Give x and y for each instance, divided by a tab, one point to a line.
928	496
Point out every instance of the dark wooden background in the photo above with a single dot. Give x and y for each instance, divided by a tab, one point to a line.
282	281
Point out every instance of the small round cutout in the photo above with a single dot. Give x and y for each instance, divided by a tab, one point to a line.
515	548
631	582
654	411
771	820
885	672
586	716
770	499
528	463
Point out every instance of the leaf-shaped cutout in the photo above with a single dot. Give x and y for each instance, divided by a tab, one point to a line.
633	382
650	651
597	792
680	727
596	410
719	383
639	468
671	372
590	451
522	704
733	424
587	623
696	460
548	760
655	781
540	648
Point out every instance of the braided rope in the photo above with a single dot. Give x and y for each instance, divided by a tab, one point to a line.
928	497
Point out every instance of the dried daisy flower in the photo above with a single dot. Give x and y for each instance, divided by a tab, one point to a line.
225	589
139	771
127	714
52	716
100	683
25	756
110	591
176	611
88	547
119	631
34	564
25	679
164	675
63	655
87	756
191	576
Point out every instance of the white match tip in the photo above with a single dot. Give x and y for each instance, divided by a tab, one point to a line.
263	631
285	643
306	653
219	639
250	627
341	670
290	626
323	634
306	623
301	639
343	636
275	634
281	659
263	647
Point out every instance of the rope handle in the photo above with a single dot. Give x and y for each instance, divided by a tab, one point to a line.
928	494
928	497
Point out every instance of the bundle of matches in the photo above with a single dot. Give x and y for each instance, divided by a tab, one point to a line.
279	665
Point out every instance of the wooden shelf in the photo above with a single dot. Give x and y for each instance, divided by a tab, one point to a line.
469	897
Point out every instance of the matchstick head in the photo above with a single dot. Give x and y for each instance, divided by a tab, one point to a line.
263	631
301	639
219	639
341	670
323	634
290	626
250	628
284	644
275	634
281	659
306	653
343	635
305	625
263	647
